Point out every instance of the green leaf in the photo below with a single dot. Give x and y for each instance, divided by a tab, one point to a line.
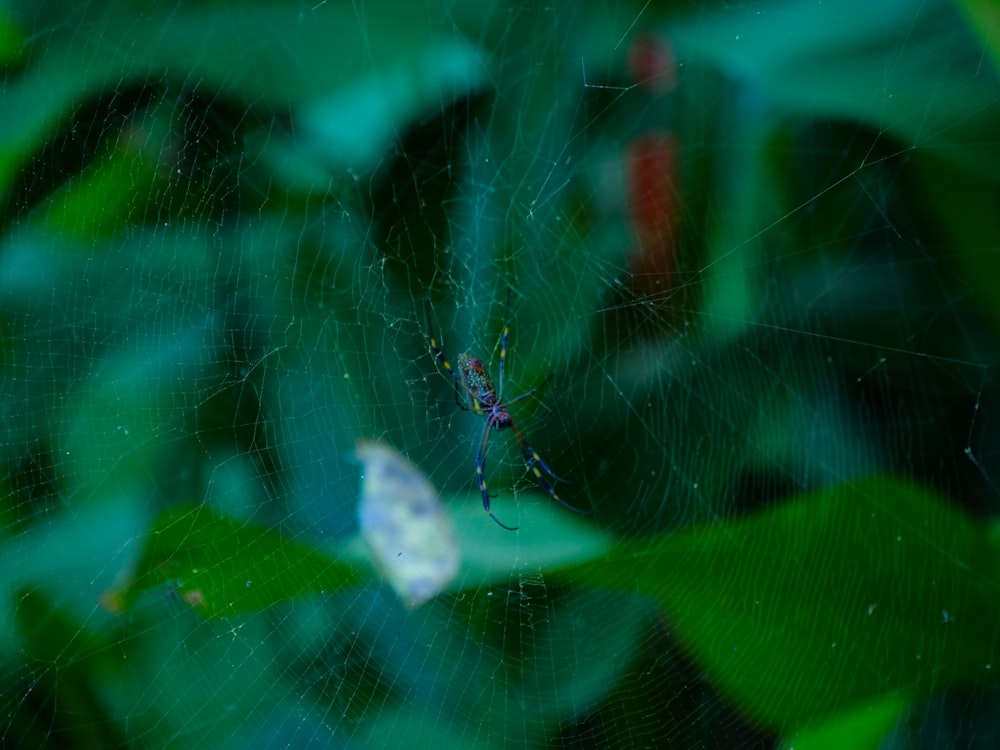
963	206
103	201
984	16
865	727
548	537
119	425
837	598
357	81
11	37
842	60
222	566
71	699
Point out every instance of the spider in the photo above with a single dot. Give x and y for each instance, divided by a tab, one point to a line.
484	400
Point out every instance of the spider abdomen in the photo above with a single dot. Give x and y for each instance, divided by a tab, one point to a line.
477	381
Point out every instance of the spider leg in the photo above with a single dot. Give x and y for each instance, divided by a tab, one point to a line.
503	348
436	350
534	458
460	386
484	442
531	392
534	462
461	406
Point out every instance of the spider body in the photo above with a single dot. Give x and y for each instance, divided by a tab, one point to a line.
482	394
475	387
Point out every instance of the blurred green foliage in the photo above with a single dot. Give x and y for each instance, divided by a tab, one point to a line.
220	225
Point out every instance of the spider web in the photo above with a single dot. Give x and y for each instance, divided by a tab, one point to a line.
755	244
